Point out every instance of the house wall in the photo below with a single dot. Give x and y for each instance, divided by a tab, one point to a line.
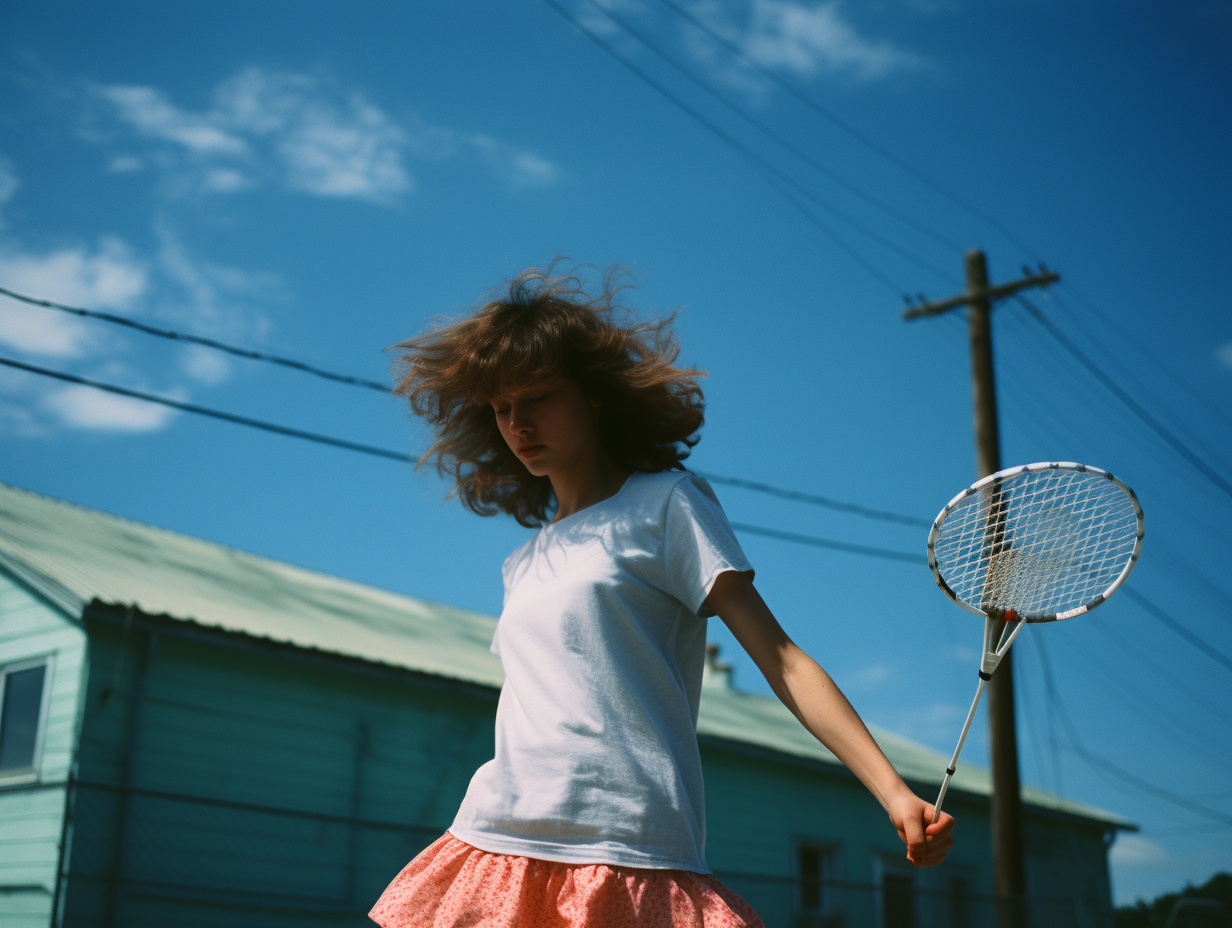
759	810
226	782
32	810
261	789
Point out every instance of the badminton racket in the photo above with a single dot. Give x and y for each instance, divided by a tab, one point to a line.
1036	543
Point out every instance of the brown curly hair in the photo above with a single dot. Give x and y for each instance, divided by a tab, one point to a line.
546	328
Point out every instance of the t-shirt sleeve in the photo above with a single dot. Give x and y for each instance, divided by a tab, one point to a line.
699	544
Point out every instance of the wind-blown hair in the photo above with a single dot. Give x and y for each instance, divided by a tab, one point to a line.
548	328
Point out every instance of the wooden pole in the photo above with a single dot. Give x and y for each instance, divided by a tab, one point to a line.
1009	870
1008	864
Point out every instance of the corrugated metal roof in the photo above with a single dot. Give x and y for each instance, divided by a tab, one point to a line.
75	555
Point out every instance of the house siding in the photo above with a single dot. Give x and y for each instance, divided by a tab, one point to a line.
267	791
32	812
318	784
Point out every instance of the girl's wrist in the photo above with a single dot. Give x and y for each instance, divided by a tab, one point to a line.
896	792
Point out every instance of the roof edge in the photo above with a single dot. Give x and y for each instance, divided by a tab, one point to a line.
54	593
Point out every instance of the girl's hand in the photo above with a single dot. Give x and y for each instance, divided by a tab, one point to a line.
927	843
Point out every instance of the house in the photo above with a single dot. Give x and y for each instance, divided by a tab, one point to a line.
194	735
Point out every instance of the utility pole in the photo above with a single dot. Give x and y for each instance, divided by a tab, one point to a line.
1009	870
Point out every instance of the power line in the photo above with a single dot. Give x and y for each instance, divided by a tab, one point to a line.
406	458
1120	641
756	486
849	129
1155	612
744	151
816	542
1094	759
1156	426
776	137
1129	373
815	499
199	340
1193	391
212	413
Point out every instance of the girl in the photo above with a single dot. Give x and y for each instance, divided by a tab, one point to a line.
546	407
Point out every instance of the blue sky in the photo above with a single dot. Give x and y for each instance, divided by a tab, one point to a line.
322	180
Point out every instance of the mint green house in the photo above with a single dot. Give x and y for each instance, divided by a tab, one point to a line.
191	735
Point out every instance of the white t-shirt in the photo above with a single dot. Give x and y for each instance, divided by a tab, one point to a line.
603	639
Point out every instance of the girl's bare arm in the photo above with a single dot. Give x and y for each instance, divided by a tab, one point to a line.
817	702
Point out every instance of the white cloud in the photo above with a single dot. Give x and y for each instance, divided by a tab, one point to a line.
330	146
8	184
225	180
962	654
87	408
520	167
805	39
150	113
205	365
303	132
172	288
207	298
125	164
872	675
1224	354
1134	851
108	276
934	723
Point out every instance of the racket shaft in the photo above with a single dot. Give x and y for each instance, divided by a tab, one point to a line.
945	783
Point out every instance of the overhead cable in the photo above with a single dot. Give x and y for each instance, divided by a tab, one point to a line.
756	486
849	129
1156	426
776	137
796	495
1104	764
815	542
745	153
1189	388
1159	615
405	458
212	413
200	340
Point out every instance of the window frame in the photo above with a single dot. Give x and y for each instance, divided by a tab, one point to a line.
21	775
829	859
897	869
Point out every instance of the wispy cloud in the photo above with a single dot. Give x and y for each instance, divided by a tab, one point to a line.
106	276
932	723
1134	851
86	408
301	131
8	185
1224	354
170	287
149	111
805	40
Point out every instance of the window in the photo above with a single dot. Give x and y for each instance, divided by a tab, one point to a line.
22	703
897	898
812	872
960	903
817	904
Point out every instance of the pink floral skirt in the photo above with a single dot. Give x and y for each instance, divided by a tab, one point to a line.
452	884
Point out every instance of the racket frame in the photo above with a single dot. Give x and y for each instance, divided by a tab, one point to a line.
1000	477
994	651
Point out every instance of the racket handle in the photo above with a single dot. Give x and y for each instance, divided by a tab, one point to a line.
945	783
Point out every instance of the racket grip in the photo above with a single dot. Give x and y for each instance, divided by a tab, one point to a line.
945	785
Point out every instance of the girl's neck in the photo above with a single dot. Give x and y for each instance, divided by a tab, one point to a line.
586	485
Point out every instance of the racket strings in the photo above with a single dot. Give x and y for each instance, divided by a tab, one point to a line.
1037	542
